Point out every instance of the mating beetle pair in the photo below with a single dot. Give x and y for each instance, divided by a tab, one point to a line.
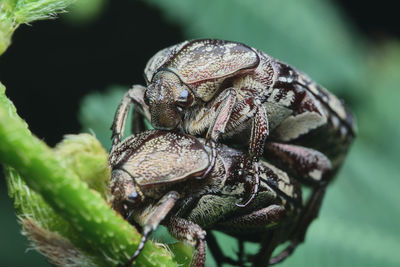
225	90
229	92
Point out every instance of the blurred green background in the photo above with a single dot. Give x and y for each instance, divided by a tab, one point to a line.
69	74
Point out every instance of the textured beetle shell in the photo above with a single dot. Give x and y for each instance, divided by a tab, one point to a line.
160	58
159	157
203	61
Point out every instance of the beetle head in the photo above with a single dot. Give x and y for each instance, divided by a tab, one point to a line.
167	97
126	195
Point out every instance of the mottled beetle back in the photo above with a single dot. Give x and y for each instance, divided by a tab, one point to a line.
201	61
210	61
162	157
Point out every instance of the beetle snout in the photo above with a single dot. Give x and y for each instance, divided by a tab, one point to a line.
165	118
166	97
165	115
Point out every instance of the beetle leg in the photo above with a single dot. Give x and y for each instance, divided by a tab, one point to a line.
268	245
306	164
256	220
308	215
224	110
284	254
138	124
233	114
216	251
152	218
133	96
241	253
223	114
256	184
310	212
191	233
212	145
259	133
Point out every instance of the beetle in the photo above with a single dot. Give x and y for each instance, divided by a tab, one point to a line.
227	90
154	181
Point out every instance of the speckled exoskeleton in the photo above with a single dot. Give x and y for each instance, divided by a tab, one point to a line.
154	180
230	91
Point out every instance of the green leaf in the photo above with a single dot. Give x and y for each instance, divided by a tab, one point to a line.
16	12
379	108
85	11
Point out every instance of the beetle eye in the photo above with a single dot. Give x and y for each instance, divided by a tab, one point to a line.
185	99
133	196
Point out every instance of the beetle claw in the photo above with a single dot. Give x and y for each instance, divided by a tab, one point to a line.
139	249
284	254
255	186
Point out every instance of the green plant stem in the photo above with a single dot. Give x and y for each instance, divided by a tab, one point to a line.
16	12
114	239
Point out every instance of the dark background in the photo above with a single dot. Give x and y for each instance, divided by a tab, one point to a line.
111	50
